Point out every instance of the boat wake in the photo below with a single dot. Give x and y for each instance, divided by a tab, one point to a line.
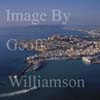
17	92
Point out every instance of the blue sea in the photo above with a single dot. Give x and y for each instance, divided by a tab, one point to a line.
12	62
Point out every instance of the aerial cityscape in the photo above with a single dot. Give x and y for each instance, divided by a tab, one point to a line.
62	47
49	49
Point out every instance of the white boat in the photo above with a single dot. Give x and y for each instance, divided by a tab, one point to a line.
86	59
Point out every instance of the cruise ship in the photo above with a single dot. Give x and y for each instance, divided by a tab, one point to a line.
87	60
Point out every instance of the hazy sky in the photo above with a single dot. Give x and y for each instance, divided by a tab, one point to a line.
83	12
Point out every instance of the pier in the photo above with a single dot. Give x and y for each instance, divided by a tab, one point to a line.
23	72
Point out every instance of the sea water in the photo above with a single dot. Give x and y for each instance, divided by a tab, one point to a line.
12	62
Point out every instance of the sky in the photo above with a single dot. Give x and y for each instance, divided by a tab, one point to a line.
83	12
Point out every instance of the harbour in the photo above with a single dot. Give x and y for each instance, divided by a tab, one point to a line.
70	68
60	47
